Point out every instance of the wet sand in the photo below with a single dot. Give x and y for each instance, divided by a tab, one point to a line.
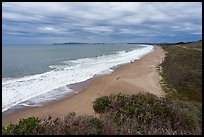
138	76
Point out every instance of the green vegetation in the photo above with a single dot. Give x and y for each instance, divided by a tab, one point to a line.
24	127
179	113
100	104
69	125
147	114
182	71
125	114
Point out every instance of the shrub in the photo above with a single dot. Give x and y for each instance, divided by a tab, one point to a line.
124	114
147	114
23	127
100	104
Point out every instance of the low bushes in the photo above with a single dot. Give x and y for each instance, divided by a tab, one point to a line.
120	114
100	104
151	115
182	71
23	127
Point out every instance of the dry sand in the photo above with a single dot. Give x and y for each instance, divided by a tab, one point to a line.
139	76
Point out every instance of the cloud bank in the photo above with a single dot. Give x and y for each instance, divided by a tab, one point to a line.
34	22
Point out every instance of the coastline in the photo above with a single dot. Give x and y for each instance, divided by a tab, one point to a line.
131	78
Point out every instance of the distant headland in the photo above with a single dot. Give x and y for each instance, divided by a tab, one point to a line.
146	43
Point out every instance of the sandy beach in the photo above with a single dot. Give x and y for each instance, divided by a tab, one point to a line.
138	76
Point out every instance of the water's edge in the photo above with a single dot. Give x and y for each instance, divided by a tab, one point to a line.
75	87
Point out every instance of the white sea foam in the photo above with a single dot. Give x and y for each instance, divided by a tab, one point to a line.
15	91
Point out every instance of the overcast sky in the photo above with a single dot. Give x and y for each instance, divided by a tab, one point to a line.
101	22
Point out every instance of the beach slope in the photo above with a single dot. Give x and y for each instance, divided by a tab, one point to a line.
138	76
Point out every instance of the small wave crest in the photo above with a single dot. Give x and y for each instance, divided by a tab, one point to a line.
15	91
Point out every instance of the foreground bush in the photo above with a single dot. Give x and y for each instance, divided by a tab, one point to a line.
69	125
23	127
147	114
121	114
100	104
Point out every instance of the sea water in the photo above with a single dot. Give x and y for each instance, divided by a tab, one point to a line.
33	74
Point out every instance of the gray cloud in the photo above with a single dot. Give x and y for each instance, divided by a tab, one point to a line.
94	22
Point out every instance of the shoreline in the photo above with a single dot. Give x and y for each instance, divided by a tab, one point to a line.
89	90
61	92
75	87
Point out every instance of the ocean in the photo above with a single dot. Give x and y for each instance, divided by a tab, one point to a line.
34	74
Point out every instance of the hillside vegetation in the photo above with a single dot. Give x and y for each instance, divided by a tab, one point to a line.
120	114
182	71
179	113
